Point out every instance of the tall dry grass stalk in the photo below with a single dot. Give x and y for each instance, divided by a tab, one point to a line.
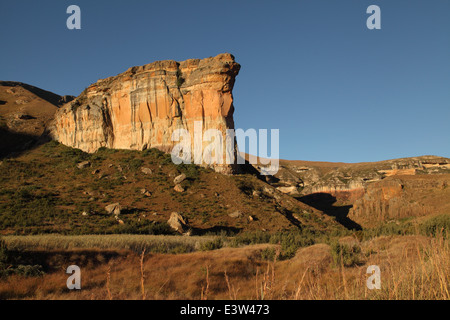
300	285
108	282
256	284
267	283
205	291
344	280
144	295
232	292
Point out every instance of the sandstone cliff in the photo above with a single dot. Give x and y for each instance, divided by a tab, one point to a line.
142	107
401	197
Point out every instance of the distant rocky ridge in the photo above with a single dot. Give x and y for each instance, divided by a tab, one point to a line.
48	96
313	177
25	112
143	106
372	192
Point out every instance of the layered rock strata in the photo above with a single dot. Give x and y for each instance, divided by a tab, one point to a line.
142	107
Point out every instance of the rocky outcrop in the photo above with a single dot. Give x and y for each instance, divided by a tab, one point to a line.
25	112
114	208
142	107
288	190
348	182
178	223
401	197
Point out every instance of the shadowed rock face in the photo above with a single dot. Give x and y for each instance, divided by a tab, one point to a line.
25	113
142	107
400	197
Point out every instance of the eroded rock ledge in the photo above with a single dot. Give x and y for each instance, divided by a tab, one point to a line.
142	107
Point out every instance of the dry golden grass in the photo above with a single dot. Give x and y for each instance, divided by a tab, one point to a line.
412	267
137	243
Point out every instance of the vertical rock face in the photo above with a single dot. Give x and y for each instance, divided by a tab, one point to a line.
397	198
142	107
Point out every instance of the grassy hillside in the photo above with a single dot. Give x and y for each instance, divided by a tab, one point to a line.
44	191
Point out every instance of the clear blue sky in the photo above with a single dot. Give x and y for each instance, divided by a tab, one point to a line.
336	90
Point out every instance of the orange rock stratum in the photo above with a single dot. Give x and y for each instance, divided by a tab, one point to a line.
142	107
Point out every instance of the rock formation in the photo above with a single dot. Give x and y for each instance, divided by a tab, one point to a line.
386	200
178	223
370	193
25	112
142	107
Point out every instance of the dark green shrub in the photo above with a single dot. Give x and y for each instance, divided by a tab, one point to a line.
386	229
291	242
29	270
4	254
211	245
7	269
142	227
344	254
179	249
248	238
131	162
268	254
160	157
180	79
191	171
105	151
160	228
436	225
245	185
27	209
